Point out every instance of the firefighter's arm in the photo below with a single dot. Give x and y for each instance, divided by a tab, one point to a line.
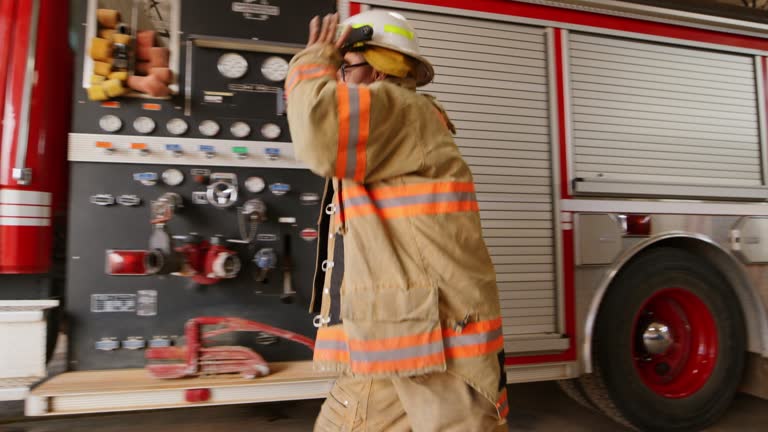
363	133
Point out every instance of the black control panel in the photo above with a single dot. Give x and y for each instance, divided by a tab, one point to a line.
186	200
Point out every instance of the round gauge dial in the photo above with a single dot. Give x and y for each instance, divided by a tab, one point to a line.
177	126
209	128
110	123
255	184
172	177
144	125
271	131
232	65
240	129
274	68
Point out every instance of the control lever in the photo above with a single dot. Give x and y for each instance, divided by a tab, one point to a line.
249	216
165	207
289	295
162	258
266	260
222	192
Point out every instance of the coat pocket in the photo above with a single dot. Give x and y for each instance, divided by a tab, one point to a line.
390	304
393	332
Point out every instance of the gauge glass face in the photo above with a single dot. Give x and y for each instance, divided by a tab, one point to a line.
255	184
271	131
110	123
274	68
209	128
240	129
144	125
173	177
177	126
232	65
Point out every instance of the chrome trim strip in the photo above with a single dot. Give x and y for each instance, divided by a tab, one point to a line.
665	207
760	80
554	130
22	141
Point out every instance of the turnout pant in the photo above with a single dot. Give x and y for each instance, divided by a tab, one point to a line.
439	402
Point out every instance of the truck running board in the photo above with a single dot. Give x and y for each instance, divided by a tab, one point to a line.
135	389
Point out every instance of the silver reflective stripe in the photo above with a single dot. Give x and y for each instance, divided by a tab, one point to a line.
330	345
357	201
398	354
354	131
426	199
473	339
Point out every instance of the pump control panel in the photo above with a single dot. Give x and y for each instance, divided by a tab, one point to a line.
188	199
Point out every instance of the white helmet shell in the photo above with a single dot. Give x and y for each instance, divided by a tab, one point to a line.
391	30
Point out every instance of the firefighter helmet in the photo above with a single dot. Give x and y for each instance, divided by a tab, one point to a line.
391	30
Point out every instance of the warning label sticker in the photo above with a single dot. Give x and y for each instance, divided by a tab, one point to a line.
147	303
255	11
113	303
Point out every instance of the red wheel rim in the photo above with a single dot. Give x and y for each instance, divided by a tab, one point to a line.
686	364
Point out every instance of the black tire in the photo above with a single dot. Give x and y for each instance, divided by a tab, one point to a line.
572	388
617	387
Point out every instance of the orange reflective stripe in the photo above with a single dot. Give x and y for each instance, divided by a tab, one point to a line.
475	350
415	363
331	345
354	106
334	333
342	96
390	202
354	191
421	189
341	356
395	342
410	352
475	339
426	209
305	72
502	405
474	327
364	115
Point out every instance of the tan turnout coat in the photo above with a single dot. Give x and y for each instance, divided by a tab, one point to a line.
419	290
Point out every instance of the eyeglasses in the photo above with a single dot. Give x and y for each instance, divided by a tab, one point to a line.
345	68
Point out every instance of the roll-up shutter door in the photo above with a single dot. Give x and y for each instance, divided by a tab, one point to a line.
651	113
491	77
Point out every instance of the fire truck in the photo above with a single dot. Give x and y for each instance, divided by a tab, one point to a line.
147	180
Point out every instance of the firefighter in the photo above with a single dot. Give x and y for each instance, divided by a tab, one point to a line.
408	305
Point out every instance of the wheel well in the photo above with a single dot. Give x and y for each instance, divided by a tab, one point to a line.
711	253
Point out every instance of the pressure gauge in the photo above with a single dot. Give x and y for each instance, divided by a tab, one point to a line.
172	177
240	129
271	131
177	126
209	128
232	65
144	125
274	68
110	123
255	184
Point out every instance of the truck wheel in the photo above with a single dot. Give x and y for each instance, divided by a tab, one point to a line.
669	344
572	388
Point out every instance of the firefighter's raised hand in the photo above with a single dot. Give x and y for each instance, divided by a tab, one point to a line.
324	32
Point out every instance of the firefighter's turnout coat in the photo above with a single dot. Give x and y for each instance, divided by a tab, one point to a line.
419	292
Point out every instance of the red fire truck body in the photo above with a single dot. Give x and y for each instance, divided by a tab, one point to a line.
619	159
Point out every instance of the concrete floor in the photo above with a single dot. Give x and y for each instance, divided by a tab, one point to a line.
534	407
